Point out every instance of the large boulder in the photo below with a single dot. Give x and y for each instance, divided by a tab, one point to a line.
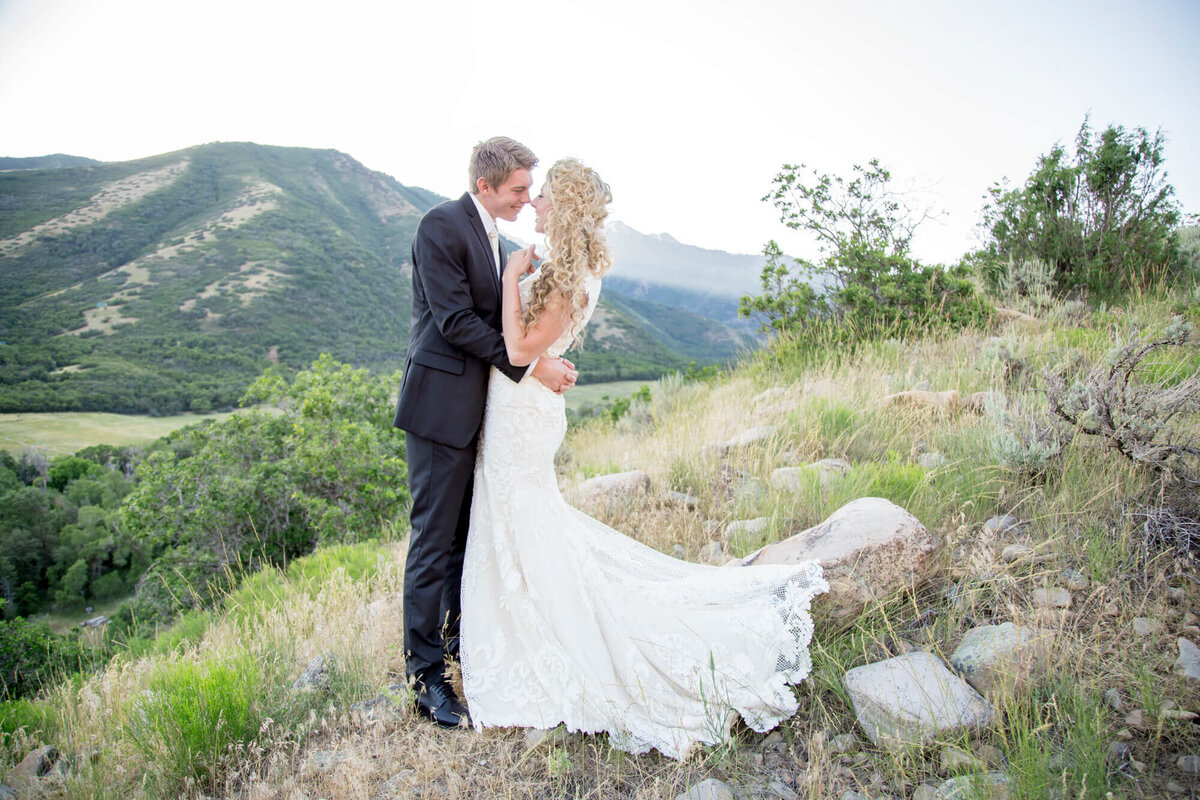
869	548
913	699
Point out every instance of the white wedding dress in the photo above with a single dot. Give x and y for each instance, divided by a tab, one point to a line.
565	620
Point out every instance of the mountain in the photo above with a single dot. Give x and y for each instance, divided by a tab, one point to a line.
660	269
168	283
45	162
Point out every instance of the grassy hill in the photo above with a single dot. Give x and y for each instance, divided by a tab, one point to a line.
1082	510
164	285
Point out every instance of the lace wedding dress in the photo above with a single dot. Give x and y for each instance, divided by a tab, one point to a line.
565	620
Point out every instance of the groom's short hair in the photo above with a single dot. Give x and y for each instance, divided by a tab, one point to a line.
496	158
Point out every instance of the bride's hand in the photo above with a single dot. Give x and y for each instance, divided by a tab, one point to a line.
520	262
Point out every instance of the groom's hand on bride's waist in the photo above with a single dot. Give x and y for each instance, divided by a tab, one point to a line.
556	374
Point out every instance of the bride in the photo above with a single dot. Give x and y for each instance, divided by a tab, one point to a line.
567	621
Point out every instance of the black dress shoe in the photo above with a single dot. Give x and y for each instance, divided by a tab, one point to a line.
437	701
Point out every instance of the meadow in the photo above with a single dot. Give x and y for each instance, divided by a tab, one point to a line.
62	433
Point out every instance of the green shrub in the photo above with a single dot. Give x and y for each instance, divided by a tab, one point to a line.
1102	218
33	656
866	285
194	715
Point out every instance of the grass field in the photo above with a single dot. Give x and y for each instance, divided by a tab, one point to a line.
69	431
595	392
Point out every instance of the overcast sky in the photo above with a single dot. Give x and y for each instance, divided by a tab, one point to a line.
688	109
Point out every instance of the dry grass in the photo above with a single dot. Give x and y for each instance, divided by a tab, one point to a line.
1052	736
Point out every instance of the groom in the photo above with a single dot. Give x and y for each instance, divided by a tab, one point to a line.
455	338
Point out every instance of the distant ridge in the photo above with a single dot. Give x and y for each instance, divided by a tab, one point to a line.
55	161
169	283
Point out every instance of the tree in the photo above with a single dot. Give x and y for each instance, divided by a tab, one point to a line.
1102	217
865	282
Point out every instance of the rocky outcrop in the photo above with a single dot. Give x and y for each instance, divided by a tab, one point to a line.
869	549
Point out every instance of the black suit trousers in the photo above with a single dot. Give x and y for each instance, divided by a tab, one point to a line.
440	480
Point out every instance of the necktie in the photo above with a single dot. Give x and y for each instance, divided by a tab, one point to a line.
494	239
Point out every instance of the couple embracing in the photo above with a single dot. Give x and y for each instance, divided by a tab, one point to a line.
555	617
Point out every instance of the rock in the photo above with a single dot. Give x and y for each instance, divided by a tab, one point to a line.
1113	699
743	439
377	709
1175	787
326	760
926	791
94	622
1144	626
1052	598
539	736
613	488
773	739
1136	718
1002	524
1188	663
688	502
999	657
912	699
1074	580
1176	595
315	676
993	786
33	766
709	789
1189	764
1017	552
678	551
1019	317
930	460
953	760
976	402
746	527
1118	752
779	789
869	549
739	486
399	783
843	743
793	479
923	386
1178	714
712	553
943	402
990	754
7	792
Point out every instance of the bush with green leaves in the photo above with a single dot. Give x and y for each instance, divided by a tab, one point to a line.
323	465
33	656
866	283
1103	217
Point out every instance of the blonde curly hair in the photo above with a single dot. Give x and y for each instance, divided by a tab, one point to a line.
575	231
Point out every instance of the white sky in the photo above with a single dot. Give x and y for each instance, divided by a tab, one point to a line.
688	109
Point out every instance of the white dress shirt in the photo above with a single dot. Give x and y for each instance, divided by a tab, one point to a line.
489	226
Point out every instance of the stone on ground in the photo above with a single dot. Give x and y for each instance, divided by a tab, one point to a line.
793	479
1052	598
913	699
938	401
709	789
1002	524
746	527
1188	663
613	488
1144	626
930	460
743	439
999	657
869	549
992	786
315	676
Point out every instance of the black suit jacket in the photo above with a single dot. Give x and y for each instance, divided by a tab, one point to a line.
455	334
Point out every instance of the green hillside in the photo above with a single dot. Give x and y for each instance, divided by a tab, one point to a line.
165	285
